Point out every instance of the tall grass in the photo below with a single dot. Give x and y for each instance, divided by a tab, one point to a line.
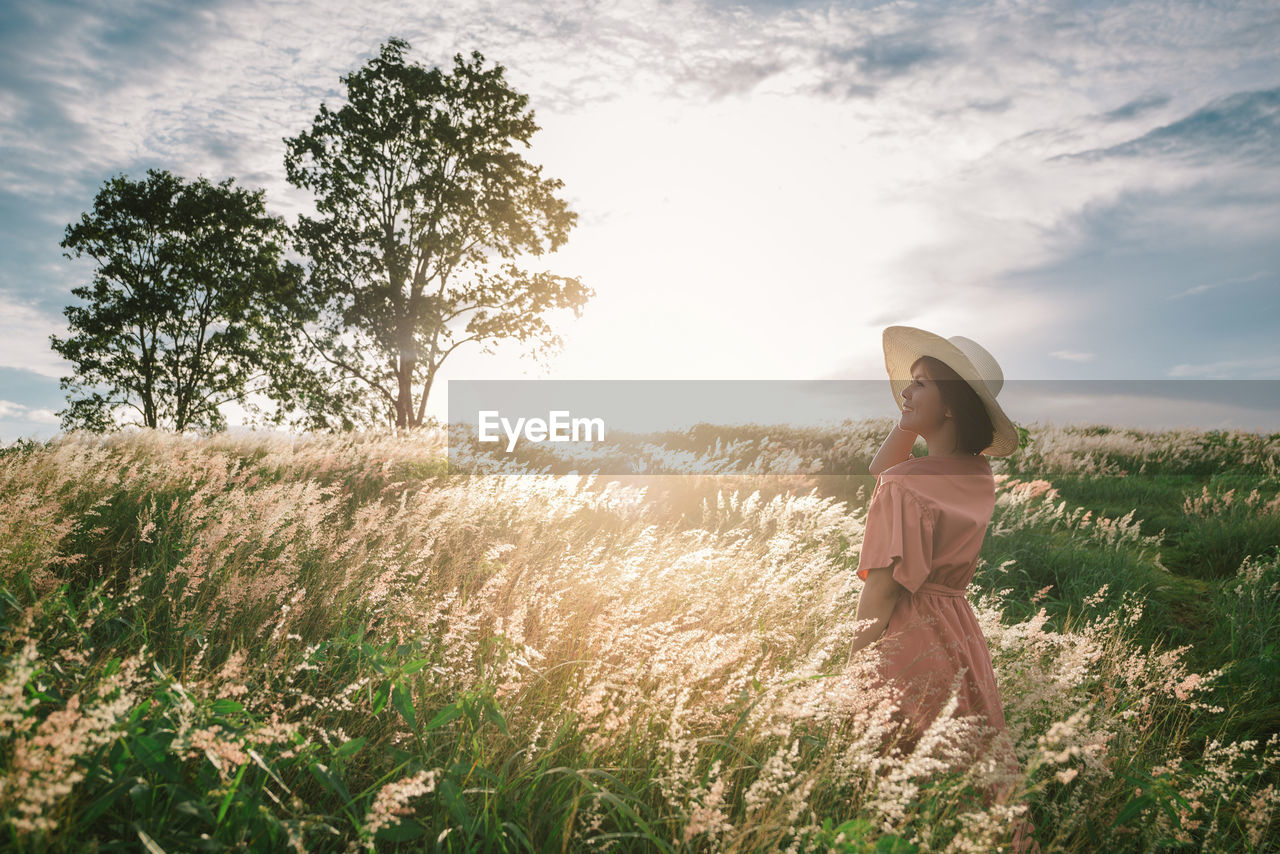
333	643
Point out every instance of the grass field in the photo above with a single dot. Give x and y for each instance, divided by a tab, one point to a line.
336	644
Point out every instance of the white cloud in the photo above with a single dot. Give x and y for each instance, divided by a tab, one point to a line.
11	411
1073	356
1238	280
760	190
42	416
24	339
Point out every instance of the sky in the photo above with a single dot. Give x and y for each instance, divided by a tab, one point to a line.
1089	190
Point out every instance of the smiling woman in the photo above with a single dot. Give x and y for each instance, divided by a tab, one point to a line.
945	410
924	529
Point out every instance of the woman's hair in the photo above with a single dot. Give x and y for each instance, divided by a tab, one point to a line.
974	430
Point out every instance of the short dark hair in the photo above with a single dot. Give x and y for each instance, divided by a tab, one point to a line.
974	430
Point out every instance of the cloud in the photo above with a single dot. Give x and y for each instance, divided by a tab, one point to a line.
1137	107
57	58
890	55
24	339
1244	126
20	412
991	105
721	78
25	419
1260	276
858	70
1225	208
946	119
1073	356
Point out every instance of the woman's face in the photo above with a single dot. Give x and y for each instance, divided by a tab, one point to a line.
922	408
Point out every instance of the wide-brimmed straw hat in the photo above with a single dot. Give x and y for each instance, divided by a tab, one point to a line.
904	344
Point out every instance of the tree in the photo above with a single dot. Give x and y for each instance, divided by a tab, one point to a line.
425	205
189	304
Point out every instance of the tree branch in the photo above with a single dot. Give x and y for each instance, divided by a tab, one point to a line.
354	371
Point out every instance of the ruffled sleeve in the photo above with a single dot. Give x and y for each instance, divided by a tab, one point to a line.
899	533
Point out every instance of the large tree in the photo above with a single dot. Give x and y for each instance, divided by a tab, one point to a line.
425	206
189	306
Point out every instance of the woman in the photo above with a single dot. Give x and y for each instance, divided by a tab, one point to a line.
925	526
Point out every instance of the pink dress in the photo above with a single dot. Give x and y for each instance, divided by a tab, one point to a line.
927	519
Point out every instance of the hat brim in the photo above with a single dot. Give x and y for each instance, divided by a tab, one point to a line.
903	345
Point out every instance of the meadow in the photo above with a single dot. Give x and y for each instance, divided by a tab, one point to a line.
343	643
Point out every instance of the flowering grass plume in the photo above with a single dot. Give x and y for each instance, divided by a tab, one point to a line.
339	643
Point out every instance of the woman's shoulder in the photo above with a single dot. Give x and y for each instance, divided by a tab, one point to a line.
896	471
977	465
897	479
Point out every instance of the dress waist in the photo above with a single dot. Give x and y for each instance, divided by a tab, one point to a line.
940	590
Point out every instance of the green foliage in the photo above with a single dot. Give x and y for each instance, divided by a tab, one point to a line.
1248	635
332	707
857	836
424	201
186	308
1024	436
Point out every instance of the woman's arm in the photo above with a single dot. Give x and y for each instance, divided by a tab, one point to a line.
876	602
896	448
